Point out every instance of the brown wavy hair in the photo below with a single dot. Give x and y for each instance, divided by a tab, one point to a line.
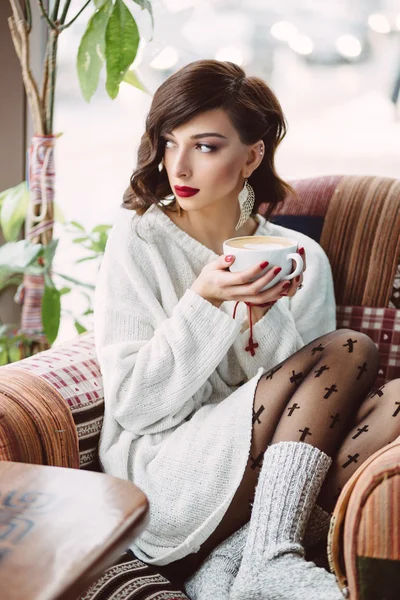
200	86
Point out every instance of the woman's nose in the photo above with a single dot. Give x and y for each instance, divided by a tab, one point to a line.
181	166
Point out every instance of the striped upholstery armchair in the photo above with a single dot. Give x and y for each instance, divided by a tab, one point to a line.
51	404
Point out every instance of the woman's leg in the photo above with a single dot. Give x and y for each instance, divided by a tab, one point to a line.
273	565
377	423
313	397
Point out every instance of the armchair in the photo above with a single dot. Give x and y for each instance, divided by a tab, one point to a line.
51	404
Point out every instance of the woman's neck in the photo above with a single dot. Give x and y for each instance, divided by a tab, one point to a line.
210	231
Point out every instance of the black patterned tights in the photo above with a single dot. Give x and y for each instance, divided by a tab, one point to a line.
320	396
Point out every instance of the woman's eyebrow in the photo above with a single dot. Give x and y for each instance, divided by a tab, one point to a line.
201	135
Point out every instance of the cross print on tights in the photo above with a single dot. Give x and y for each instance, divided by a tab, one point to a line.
291	409
350	345
256	415
319	348
335	419
397	411
363	369
378	392
256	463
330	390
272	372
321	370
352	459
304	433
360	430
296	377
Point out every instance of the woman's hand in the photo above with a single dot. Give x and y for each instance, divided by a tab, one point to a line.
259	311
216	284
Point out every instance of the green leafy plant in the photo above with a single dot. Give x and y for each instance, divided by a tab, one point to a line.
13	344
21	257
111	39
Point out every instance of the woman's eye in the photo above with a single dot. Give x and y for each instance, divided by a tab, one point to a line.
206	148
168	143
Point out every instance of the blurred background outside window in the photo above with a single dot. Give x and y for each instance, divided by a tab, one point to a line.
332	63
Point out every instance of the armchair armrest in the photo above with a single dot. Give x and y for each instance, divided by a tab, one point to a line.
51	406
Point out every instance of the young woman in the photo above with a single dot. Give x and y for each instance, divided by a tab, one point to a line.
198	408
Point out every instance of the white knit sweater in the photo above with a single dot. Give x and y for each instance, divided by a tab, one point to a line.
178	382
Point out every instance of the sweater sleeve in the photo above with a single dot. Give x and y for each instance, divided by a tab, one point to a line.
153	364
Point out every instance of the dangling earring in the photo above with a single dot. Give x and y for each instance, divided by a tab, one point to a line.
246	202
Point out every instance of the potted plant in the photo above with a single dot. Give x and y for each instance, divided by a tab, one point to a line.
111	39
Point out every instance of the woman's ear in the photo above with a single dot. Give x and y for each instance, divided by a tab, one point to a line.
254	158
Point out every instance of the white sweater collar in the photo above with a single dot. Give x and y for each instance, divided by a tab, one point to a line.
191	245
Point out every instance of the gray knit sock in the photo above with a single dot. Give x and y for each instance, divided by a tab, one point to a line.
213	580
273	565
317	527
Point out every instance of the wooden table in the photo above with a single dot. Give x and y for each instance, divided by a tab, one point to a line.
60	528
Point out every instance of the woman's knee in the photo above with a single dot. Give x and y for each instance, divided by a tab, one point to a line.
385	398
356	343
392	388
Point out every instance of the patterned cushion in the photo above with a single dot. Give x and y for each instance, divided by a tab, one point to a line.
73	370
132	579
382	325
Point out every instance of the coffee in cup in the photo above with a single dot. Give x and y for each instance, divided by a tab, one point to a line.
277	251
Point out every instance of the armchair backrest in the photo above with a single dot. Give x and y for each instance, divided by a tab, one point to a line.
356	219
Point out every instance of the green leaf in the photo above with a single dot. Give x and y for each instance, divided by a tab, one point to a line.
79	240
51	310
81	260
58	214
79	327
77	225
89	286
132	79
14	207
92	50
14	353
146	5
101	228
122	41
16	257
3	356
48	253
64	290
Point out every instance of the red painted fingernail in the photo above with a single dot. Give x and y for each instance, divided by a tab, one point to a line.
286	286
229	258
301	251
298	278
283	295
277	270
264	264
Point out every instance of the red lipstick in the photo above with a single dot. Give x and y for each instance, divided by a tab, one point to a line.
185	192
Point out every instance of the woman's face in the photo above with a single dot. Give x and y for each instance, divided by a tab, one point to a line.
206	162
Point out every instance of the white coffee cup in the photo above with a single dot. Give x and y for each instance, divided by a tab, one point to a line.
278	251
